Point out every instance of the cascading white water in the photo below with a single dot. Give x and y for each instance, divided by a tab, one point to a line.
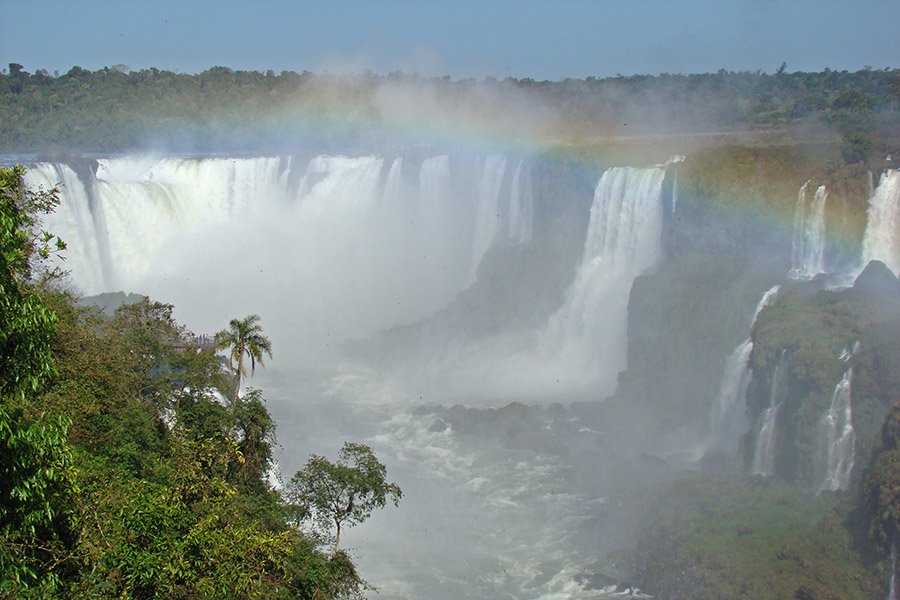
521	206
75	223
588	335
838	437
583	346
336	247
808	245
799	228
674	193
488	221
764	452
882	237
892	585
727	420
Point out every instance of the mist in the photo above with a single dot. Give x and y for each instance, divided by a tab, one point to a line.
522	294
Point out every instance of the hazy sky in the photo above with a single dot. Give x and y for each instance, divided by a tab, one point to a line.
460	38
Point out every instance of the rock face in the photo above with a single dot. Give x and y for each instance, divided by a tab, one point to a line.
832	357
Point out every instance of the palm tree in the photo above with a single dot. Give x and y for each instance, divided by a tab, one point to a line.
243	337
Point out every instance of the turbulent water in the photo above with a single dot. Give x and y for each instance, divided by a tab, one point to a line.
477	520
838	437
882	237
808	244
334	247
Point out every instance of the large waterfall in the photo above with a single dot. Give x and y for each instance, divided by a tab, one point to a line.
808	245
882	238
838	437
589	334
583	346
329	247
727	419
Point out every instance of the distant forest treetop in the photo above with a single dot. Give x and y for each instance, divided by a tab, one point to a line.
116	110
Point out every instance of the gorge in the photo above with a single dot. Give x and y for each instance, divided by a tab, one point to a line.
530	340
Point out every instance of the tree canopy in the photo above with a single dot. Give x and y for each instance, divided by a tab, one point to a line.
344	493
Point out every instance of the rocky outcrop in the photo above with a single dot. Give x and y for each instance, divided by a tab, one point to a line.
818	336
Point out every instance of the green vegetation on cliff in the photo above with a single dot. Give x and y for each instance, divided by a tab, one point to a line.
812	329
129	467
730	537
740	536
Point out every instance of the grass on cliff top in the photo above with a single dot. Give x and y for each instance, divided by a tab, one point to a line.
734	537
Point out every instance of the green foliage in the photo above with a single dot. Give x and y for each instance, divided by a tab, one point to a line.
36	475
37	480
811	328
26	325
881	486
857	147
185	538
718	538
254	430
343	493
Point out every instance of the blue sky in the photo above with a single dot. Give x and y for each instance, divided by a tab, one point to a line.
460	38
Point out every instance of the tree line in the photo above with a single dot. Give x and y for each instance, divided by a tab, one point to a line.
115	109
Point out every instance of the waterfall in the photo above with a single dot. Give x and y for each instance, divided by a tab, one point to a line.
674	193
588	335
393	186
838	437
764	453
892	586
799	228
808	243
75	223
521	206
488	220
339	245
727	420
881	240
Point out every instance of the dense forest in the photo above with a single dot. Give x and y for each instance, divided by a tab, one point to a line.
115	109
131	465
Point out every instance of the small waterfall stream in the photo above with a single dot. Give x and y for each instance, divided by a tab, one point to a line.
892	585
838	437
727	422
881	240
808	245
764	452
